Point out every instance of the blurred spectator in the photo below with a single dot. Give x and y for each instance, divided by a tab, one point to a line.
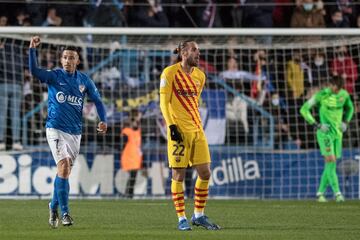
3	21
258	14
150	14
358	21
52	18
230	44
338	21
206	66
307	16
203	15
11	82
226	14
48	58
319	6
27	22
107	13
37	12
295	80
178	16
32	97
319	69
295	76
73	15
237	13
281	13
266	82
131	156
236	107
343	65
236	110
21	18
347	8
276	107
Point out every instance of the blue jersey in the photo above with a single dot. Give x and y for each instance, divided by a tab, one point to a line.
66	93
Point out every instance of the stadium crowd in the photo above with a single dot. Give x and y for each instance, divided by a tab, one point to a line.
183	13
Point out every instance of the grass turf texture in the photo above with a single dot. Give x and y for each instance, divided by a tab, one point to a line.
147	219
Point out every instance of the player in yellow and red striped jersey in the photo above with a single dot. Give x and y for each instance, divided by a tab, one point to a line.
180	88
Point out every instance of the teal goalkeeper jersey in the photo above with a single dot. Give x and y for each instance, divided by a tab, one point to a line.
331	109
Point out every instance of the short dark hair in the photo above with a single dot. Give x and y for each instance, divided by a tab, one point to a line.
337	81
180	47
70	48
336	11
134	112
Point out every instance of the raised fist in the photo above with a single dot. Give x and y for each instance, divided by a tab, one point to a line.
34	42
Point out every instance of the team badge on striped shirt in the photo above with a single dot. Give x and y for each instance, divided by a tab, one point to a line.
162	82
82	88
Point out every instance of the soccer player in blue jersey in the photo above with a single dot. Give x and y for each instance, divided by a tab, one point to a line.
67	88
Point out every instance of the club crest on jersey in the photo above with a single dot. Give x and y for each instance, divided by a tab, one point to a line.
341	99
162	82
82	88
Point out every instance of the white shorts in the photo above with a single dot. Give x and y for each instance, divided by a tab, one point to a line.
63	145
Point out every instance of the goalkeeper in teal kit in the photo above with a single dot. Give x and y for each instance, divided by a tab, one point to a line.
335	110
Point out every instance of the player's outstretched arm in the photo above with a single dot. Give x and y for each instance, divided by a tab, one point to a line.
42	74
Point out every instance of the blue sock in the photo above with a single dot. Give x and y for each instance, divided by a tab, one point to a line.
54	201
63	194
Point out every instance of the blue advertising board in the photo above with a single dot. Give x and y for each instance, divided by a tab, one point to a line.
291	175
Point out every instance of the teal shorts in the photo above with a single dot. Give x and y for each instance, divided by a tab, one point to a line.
329	144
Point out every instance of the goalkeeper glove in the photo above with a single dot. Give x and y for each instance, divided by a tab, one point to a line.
175	135
322	126
344	126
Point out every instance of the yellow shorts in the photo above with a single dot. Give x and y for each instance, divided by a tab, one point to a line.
194	150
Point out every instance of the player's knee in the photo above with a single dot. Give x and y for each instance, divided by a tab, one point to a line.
64	168
330	159
178	174
178	179
205	175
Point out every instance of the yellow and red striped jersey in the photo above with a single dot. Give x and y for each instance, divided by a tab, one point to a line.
179	97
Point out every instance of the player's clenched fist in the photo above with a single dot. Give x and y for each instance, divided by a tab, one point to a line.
102	127
34	42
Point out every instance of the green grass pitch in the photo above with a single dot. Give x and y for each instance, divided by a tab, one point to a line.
156	219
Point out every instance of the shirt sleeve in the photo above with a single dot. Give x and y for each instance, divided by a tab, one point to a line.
94	95
165	98
305	110
45	76
204	78
349	109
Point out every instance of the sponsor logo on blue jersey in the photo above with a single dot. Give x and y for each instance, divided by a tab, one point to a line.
72	100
